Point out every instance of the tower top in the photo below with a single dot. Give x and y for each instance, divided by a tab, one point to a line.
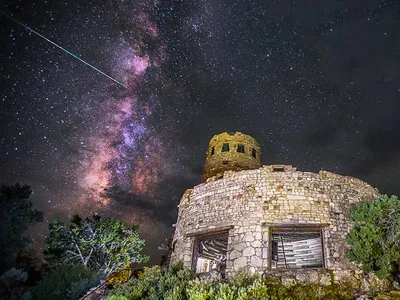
233	151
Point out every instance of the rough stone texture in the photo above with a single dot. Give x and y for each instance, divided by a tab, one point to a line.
217	161
249	202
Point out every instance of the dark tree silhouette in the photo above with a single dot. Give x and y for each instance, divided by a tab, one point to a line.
16	215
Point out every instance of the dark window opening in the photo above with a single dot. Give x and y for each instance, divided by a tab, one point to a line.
240	148
173	245
225	147
278	169
294	250
210	254
225	162
212	151
254	153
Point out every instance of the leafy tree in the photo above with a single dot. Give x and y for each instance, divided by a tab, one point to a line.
106	245
32	263
16	215
375	239
67	282
11	281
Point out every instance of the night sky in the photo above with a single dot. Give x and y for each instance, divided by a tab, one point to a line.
317	83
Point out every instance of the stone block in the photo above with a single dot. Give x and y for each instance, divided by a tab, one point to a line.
235	254
239	263
249	251
248	237
256	261
287	281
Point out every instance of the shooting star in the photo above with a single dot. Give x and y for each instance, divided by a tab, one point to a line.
63	49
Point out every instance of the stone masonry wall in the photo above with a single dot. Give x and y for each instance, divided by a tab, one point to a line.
217	161
249	202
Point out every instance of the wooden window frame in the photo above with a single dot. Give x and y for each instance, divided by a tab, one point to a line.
296	228
197	238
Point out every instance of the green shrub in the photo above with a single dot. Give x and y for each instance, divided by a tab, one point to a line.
200	290
66	282
375	239
11	281
156	283
179	284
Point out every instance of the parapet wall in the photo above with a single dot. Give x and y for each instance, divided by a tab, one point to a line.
249	203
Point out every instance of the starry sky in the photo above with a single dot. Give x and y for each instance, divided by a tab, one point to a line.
317	83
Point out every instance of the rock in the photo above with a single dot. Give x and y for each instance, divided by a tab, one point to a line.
239	246
303	276
256	244
288	281
256	261
234	254
325	279
240	263
248	237
249	251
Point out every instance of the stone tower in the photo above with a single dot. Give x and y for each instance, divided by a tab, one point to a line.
265	219
231	151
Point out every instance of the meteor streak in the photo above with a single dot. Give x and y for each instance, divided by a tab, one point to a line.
63	49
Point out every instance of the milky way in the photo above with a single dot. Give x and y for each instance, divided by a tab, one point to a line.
316	83
123	153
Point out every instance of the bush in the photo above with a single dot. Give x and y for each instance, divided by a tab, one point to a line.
179	284
375	239
66	282
12	280
156	283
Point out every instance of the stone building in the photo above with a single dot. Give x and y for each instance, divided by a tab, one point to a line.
274	218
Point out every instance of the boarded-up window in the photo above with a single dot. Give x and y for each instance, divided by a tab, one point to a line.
300	249
240	148
210	253
225	147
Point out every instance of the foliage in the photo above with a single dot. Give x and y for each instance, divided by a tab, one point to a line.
32	263
179	283
156	283
80	287
66	282
11	281
375	239
119	277
102	244
16	215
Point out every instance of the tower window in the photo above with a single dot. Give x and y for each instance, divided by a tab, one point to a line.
225	147
240	148
254	153
212	151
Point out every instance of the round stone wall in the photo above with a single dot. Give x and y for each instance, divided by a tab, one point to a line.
247	204
231	151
